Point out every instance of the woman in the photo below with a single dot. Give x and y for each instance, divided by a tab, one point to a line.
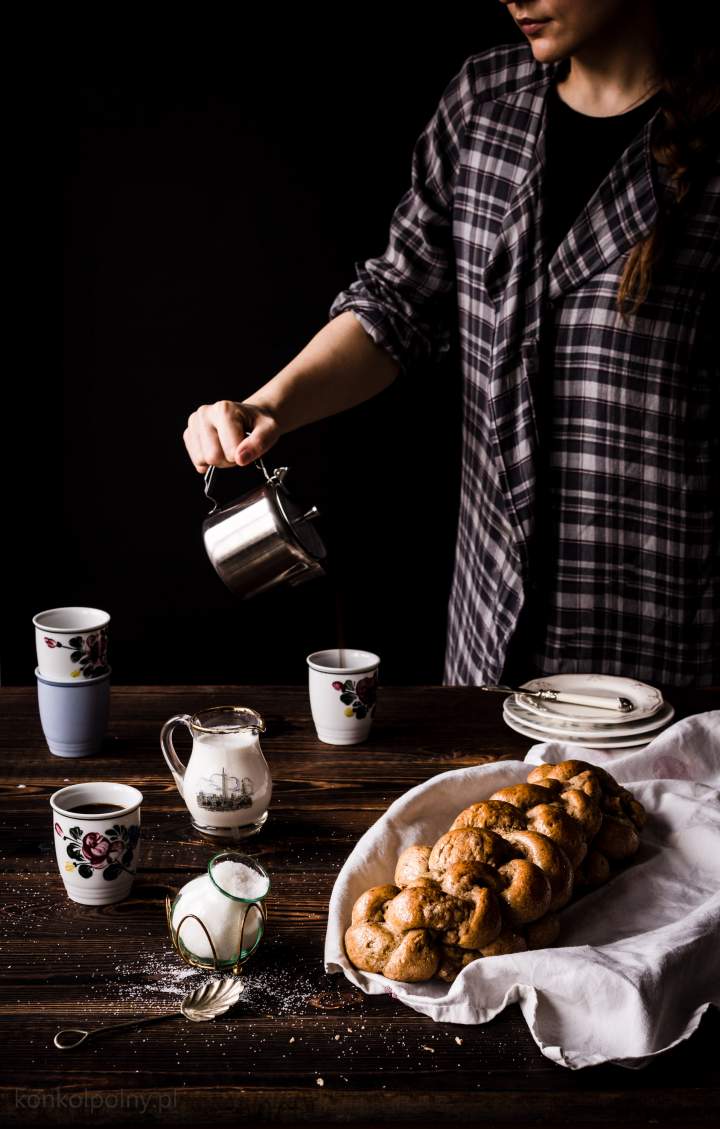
562	221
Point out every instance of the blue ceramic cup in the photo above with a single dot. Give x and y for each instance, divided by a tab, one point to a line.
74	715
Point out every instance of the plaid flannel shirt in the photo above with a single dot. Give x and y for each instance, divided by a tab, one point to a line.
628	517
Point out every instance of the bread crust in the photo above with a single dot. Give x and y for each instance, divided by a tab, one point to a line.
493	883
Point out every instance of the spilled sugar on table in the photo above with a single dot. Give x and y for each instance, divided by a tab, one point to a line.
300	1045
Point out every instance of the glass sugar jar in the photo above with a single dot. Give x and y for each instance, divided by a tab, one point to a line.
217	920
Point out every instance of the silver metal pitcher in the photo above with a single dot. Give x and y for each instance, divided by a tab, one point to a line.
263	538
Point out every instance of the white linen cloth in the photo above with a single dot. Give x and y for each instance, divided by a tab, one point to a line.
638	960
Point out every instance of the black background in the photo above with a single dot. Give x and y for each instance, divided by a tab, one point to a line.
219	184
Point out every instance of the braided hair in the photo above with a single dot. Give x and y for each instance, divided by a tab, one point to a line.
685	136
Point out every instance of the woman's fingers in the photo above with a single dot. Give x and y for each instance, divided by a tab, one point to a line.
231	425
203	436
260	438
227	434
193	448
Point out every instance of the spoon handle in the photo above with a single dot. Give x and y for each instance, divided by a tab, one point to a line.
65	1040
624	705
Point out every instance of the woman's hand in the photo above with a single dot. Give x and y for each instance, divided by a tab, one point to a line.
228	433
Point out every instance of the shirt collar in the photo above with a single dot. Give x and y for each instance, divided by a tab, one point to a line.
621	211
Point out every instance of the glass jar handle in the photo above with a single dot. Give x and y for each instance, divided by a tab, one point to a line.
260	907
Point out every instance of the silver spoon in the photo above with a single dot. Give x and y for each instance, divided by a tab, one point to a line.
205	1002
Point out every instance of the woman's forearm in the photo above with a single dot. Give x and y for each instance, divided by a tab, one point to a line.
339	367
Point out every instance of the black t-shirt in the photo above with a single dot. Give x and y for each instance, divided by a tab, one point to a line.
580	151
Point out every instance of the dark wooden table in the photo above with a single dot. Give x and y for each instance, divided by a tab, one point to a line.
301	1045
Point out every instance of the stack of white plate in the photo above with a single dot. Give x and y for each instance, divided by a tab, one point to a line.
593	728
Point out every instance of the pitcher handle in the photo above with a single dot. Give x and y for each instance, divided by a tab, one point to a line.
273	479
172	760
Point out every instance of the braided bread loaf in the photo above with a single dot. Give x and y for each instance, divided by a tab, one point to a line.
493	883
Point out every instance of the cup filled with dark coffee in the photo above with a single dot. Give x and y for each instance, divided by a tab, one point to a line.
96	828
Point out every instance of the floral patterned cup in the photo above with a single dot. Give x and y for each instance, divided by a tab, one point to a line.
343	690
71	643
97	850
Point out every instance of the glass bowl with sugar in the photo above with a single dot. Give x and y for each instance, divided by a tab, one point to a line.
218	919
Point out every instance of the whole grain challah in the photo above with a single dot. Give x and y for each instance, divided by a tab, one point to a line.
493	882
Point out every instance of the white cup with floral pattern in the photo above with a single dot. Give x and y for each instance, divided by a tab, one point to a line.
96	828
71	643
343	690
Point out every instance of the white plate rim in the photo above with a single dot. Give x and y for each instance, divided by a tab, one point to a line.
570	729
543	737
647	699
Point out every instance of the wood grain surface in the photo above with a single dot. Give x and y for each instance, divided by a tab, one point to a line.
300	1046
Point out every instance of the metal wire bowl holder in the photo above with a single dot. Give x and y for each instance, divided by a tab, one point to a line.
216	963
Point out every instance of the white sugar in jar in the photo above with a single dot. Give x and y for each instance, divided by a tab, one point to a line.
228	900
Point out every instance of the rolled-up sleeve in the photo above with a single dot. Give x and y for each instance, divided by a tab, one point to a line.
405	299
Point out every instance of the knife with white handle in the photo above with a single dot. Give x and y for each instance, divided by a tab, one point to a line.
621	705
